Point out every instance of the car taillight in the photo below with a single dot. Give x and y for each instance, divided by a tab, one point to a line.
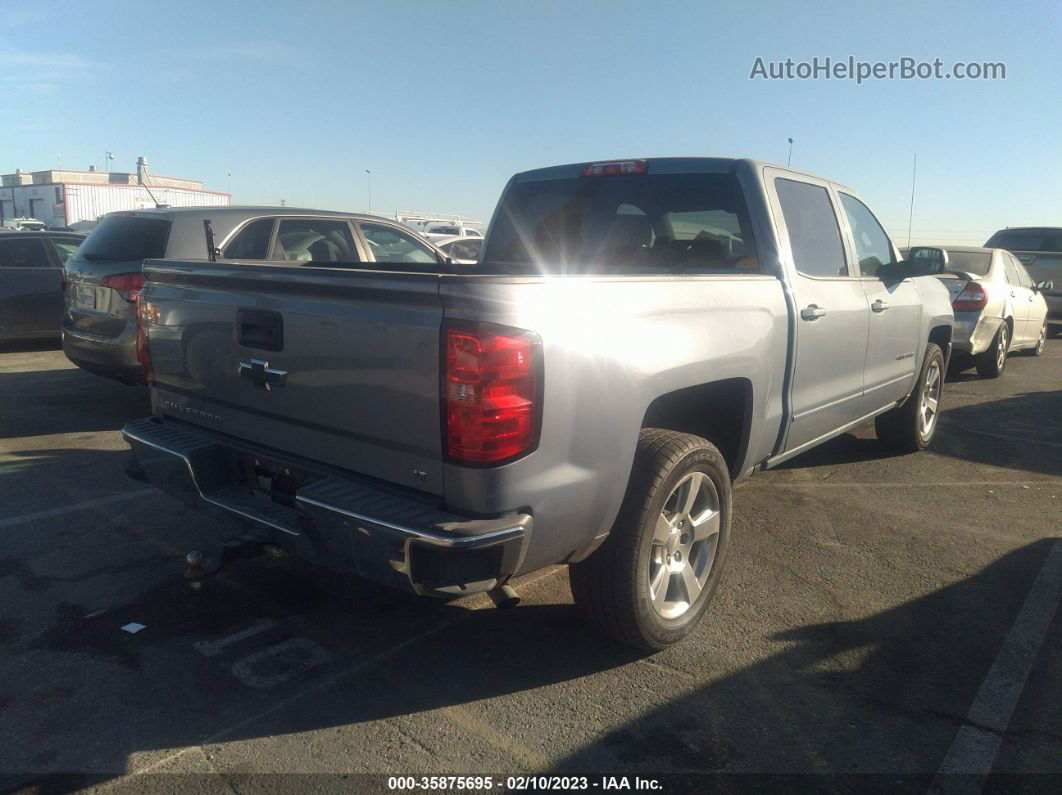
614	167
490	392
146	314
971	299
128	285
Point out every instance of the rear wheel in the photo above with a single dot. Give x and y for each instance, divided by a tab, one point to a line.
1041	343
992	362
910	427
650	582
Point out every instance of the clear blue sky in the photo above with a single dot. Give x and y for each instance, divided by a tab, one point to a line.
444	101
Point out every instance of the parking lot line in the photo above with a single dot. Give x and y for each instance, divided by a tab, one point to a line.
973	751
80	506
325	683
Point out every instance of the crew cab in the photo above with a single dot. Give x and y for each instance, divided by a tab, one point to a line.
636	336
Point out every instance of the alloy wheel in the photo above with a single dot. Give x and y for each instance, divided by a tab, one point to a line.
1001	352
685	541
927	412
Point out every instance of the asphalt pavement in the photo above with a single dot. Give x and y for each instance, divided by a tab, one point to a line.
886	616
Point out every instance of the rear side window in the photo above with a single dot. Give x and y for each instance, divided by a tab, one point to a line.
871	243
314	240
251	242
1012	272
625	223
1018	240
388	244
1023	275
22	252
814	236
127	238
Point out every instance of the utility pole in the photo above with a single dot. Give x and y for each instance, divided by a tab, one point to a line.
283	203
790	160
230	186
370	190
910	215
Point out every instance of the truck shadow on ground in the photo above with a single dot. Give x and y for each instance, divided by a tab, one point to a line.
1022	432
846	696
885	694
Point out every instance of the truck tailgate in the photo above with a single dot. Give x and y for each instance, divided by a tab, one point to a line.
339	366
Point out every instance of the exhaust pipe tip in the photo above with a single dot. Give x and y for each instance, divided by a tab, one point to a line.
504	597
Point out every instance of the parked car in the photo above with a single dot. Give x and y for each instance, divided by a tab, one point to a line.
1040	250
637	335
31	292
997	307
451	229
27	224
460	249
104	279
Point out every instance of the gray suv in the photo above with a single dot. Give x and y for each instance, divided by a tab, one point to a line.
105	277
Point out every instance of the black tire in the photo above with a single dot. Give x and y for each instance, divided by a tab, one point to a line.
991	363
611	586
1041	343
901	428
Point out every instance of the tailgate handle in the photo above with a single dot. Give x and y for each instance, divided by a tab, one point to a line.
260	328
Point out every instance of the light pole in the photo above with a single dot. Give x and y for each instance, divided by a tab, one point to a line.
230	186
790	160
107	158
370	190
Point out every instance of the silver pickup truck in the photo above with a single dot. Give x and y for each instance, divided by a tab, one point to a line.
637	336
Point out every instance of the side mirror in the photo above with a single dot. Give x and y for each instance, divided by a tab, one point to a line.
926	260
1044	286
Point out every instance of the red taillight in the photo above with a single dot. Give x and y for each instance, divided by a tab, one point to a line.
971	299
490	384
145	313
614	167
128	285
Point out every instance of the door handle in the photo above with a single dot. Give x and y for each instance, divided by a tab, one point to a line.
879	305
1032	297
812	312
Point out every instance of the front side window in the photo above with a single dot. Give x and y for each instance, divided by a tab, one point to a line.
314	240
625	223
388	244
814	236
22	252
871	243
463	249
251	242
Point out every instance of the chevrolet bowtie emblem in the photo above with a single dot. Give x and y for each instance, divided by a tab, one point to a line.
259	373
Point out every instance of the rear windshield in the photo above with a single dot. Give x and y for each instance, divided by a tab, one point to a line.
975	262
1023	240
126	238
624	223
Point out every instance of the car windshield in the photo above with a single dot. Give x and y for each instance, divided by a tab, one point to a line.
1048	240
445	230
126	238
625	223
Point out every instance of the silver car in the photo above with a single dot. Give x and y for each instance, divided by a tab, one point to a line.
998	309
104	278
1040	250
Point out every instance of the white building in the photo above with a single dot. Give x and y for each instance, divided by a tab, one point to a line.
66	198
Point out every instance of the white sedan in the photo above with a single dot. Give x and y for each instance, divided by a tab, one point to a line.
998	309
